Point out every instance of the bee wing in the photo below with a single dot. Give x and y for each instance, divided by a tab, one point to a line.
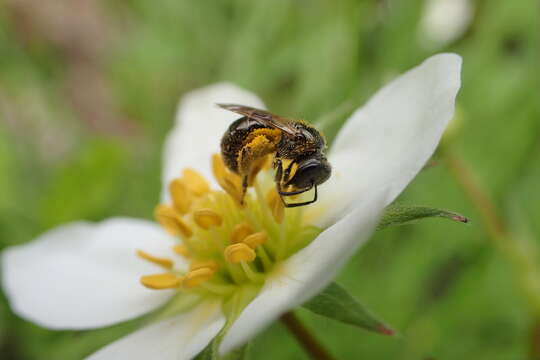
263	117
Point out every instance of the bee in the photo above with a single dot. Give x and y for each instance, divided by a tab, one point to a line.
296	146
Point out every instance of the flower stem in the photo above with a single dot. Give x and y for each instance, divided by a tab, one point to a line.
519	253
493	223
304	337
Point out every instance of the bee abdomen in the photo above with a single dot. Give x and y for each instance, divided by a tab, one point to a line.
239	134
231	144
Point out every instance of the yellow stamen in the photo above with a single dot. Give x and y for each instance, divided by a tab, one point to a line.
182	250
207	218
161	281
199	264
255	240
237	253
195	182
276	205
166	263
228	181
180	195
218	167
172	221
196	277
240	231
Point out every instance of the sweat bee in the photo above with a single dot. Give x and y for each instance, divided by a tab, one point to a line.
296	146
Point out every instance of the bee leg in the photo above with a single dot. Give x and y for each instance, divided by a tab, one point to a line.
245	182
287	172
279	172
279	191
290	205
289	193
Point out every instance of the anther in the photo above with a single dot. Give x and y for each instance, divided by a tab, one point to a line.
207	218
276	205
196	277
240	252
164	262
171	221
256	239
182	250
180	195
199	264
240	231
218	167
161	281
195	182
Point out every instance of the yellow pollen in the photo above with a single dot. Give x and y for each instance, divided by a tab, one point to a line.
180	195
199	264
166	263
196	277
172	221
161	281
207	218
268	163
237	253
240	231
255	240
195	182
256	167
182	250
228	181
276	205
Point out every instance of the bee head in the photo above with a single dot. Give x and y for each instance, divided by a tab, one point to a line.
311	171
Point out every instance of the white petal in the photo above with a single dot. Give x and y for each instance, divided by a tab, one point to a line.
307	272
385	143
443	21
83	275
178	338
200	124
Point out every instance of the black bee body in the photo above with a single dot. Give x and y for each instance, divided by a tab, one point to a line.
297	148
237	136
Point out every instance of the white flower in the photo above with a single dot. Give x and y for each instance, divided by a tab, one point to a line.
443	21
233	265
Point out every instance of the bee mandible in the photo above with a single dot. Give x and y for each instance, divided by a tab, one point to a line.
296	146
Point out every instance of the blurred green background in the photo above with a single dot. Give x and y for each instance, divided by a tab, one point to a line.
88	91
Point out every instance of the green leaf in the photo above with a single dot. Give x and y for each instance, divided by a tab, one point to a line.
336	303
400	215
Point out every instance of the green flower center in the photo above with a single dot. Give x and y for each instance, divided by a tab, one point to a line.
227	246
